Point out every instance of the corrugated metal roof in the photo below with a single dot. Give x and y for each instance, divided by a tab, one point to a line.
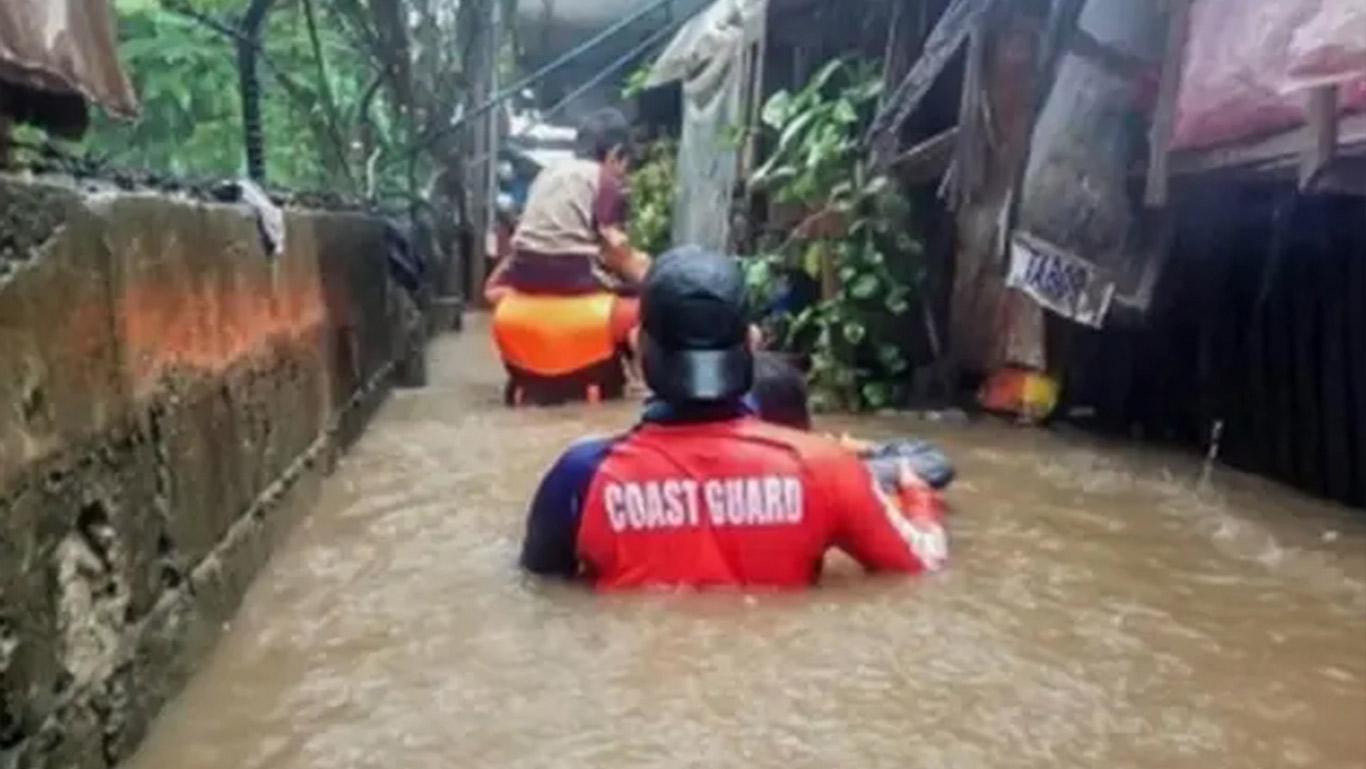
65	47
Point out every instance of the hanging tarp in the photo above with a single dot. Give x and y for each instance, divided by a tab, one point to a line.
707	57
1246	64
65	47
1330	48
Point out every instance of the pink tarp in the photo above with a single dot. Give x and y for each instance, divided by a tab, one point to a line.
1248	62
65	46
1330	48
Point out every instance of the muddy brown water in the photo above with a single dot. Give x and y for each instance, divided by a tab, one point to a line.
1105	608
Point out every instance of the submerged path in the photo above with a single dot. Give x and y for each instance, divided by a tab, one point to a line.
1103	610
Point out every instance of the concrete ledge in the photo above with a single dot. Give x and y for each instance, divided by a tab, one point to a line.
170	397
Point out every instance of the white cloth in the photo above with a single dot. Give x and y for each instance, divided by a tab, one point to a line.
707	56
270	217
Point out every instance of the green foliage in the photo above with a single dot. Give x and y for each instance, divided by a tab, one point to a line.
654	187
853	240
186	78
635	82
357	99
816	132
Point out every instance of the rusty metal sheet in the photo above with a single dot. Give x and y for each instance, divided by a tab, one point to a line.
66	47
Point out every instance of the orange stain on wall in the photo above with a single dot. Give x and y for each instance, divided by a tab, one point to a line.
213	324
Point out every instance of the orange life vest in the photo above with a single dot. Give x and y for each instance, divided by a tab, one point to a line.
554	336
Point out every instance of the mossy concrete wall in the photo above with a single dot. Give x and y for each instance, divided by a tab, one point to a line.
169	397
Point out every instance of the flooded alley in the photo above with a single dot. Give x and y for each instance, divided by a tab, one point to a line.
1102	609
286	286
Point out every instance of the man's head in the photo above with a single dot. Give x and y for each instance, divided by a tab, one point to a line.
605	136
695	341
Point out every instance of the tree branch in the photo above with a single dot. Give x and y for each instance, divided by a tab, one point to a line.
325	88
294	90
290	85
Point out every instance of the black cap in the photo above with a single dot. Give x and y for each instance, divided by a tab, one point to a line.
695	346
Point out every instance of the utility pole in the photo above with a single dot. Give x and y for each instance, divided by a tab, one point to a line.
495	125
483	57
248	51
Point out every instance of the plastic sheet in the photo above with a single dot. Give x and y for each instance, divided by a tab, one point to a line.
1330	49
1030	395
1247	62
65	46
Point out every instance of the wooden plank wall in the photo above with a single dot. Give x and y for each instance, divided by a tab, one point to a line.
1307	346
1260	322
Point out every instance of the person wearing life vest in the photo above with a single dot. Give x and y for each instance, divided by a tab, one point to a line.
702	493
564	305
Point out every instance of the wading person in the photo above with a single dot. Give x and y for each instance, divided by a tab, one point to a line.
564	299
702	493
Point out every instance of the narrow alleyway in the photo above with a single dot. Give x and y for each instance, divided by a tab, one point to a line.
1104	609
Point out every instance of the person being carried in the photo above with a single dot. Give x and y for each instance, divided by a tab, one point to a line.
780	396
702	493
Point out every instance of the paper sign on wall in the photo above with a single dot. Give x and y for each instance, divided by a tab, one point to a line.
1059	281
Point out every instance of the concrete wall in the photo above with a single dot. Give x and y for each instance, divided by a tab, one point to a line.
169	397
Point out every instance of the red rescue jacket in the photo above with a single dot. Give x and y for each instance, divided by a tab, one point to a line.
732	502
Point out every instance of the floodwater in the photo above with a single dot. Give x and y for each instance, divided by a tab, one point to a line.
1104	609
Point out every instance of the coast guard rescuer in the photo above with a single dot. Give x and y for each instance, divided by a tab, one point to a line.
704	494
564	309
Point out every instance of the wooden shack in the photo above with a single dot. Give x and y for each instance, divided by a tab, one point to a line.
1196	278
1246	210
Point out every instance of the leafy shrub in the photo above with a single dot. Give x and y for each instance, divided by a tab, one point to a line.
853	240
